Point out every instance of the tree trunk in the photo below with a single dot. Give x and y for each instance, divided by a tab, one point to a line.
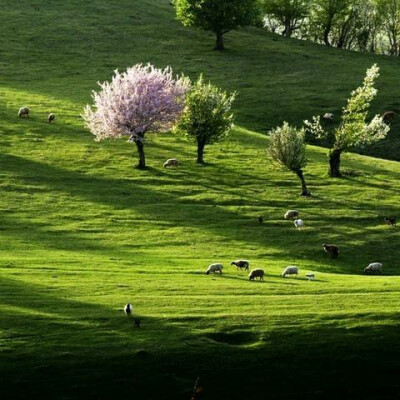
200	152
140	148
334	163
327	31
220	42
304	190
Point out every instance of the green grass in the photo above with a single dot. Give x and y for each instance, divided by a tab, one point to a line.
83	232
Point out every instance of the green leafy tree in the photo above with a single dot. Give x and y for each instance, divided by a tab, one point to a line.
218	16
353	131
289	13
207	116
325	14
287	149
390	12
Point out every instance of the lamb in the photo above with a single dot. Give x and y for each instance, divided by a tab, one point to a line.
328	116
51	118
373	268
256	273
172	162
214	268
291	214
241	264
310	277
331	249
291	270
299	223
390	221
128	309
388	117
260	219
24	112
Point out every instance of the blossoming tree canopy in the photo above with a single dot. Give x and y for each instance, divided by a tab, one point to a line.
354	131
142	99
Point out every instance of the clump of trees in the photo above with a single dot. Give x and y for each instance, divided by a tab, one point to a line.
363	25
207	117
140	100
218	16
287	149
354	131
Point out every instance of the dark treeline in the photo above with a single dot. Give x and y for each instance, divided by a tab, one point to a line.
361	25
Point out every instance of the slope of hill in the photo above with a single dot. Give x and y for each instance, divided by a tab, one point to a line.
61	49
83	232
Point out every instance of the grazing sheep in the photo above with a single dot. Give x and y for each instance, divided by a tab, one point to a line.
256	273
24	112
214	268
260	219
241	264
128	309
51	118
291	270
310	277
388	117
373	268
172	162
331	249
299	223
390	221
328	116
291	214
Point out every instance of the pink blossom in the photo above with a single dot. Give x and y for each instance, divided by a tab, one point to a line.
142	99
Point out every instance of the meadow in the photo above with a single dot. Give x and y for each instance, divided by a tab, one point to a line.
83	231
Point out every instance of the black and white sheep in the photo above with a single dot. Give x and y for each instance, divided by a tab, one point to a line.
292	214
128	309
214	268
310	277
256	273
373	268
291	270
24	112
331	249
241	264
51	118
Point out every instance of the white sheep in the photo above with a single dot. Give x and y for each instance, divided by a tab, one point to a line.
24	112
299	223
214	268
292	214
256	273
373	268
172	162
291	270
328	116
310	277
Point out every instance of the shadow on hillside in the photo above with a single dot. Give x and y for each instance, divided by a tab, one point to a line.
60	348
159	206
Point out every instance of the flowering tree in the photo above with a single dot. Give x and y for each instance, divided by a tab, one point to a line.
207	117
353	131
142	99
287	148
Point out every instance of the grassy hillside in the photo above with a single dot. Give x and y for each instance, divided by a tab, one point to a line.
83	232
60	49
